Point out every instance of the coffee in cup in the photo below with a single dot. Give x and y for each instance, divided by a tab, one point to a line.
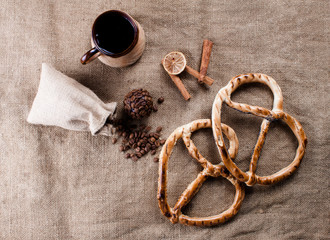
117	40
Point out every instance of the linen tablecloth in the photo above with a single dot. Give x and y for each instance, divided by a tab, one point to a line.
60	184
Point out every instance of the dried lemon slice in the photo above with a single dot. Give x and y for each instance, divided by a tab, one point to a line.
174	63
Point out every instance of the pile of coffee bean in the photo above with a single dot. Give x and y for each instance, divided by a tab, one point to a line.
138	104
136	141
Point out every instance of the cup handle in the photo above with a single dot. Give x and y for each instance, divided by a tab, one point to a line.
90	56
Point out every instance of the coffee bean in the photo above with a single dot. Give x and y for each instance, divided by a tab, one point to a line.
152	139
159	129
114	140
134	158
139	155
160	100
121	148
156	159
155	108
128	155
147	129
153	152
162	141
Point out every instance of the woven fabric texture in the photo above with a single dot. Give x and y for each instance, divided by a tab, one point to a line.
61	184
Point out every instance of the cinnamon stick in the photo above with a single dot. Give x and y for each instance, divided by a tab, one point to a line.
207	48
180	86
207	80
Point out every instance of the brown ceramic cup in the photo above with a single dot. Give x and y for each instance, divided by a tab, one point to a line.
118	40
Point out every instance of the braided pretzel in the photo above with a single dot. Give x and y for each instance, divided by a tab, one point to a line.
209	170
250	178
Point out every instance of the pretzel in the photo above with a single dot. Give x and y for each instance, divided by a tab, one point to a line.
209	170
250	177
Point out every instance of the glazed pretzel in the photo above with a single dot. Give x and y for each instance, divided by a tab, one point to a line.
209	170
250	178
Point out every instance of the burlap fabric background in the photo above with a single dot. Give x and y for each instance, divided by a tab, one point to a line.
59	184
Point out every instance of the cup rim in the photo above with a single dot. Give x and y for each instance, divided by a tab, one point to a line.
130	47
